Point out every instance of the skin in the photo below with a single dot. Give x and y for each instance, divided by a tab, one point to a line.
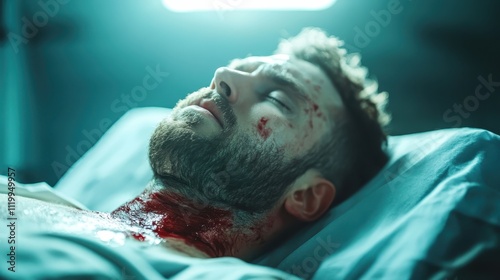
296	129
259	117
258	142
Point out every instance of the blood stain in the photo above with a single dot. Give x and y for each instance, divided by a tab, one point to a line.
264	132
169	215
138	236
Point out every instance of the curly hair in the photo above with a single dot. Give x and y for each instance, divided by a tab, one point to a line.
352	152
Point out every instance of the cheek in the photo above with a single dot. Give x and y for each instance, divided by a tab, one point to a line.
285	135
294	138
270	125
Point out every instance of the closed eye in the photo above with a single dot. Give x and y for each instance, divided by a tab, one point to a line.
278	102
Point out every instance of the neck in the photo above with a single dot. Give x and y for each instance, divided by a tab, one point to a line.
211	230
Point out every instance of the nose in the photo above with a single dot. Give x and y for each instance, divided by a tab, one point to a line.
230	84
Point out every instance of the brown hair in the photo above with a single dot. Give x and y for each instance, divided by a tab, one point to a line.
353	150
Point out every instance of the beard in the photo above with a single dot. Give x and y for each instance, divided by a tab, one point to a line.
232	169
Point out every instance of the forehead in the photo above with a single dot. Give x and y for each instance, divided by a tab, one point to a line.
306	74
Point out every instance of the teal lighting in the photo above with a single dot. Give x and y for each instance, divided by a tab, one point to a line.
211	5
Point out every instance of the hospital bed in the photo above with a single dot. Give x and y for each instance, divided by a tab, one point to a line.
433	212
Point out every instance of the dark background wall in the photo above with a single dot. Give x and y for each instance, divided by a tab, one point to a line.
65	80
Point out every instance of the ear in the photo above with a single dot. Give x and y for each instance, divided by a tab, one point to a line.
310	199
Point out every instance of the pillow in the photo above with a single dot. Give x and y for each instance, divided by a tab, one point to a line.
116	169
433	208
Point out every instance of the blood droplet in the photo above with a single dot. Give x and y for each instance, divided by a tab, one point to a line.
264	132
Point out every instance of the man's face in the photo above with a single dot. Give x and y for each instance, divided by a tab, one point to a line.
240	141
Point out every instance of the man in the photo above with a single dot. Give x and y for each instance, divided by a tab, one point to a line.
293	133
270	145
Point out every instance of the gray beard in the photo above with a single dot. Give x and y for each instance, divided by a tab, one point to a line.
231	170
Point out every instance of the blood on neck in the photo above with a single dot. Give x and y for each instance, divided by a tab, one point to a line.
170	215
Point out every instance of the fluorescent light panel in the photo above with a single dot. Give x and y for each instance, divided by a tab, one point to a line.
214	5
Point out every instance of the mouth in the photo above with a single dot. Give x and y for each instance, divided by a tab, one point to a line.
210	106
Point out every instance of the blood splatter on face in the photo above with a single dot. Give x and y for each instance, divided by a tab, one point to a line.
312	108
302	86
264	131
211	229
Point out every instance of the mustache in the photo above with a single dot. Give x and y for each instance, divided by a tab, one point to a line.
222	104
225	108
